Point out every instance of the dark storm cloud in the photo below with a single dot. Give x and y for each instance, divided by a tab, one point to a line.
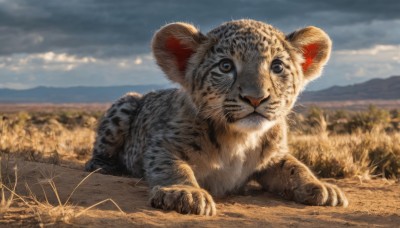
119	28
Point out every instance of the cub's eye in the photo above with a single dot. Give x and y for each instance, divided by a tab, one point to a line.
277	66
226	66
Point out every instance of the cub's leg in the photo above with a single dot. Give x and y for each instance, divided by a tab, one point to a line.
292	179
111	135
174	186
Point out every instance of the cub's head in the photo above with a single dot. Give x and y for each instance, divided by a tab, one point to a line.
243	74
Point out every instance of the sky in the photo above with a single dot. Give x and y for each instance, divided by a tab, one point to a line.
64	43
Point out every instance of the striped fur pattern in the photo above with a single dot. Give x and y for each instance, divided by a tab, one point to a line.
226	124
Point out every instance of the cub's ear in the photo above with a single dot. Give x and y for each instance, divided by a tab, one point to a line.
173	45
315	46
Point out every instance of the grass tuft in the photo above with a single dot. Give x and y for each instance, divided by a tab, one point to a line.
46	213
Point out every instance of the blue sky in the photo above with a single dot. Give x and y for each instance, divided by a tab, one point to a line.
104	42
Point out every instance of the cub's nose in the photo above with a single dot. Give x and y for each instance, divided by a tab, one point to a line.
254	101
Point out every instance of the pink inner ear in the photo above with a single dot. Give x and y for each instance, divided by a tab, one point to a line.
310	52
180	51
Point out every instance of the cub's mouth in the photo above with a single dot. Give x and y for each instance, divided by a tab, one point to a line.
254	115
253	122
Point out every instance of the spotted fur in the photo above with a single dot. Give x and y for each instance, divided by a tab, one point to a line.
226	124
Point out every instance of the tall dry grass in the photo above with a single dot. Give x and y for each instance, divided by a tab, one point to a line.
346	144
333	143
50	138
367	154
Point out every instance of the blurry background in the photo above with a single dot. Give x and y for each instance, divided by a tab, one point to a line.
102	43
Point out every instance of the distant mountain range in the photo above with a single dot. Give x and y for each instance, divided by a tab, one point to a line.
375	89
78	94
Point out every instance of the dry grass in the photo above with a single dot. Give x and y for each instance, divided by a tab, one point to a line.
346	144
65	137
42	213
47	138
361	154
339	145
334	144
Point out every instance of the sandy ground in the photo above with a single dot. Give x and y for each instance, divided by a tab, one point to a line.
372	203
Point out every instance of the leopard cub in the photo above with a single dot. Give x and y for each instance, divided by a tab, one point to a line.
225	125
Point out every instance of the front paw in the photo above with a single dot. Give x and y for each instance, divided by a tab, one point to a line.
320	194
183	199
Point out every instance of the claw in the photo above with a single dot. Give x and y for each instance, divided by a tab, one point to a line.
183	199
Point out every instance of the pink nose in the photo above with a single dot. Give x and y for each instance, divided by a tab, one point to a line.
254	101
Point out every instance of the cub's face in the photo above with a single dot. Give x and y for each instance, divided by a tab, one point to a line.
244	74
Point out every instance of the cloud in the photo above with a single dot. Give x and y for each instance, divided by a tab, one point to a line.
358	65
365	35
138	61
124	28
63	58
377	61
60	69
47	61
73	42
382	52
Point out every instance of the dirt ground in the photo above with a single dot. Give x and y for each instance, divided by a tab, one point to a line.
372	203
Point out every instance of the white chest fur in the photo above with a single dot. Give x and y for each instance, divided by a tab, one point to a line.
230	167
